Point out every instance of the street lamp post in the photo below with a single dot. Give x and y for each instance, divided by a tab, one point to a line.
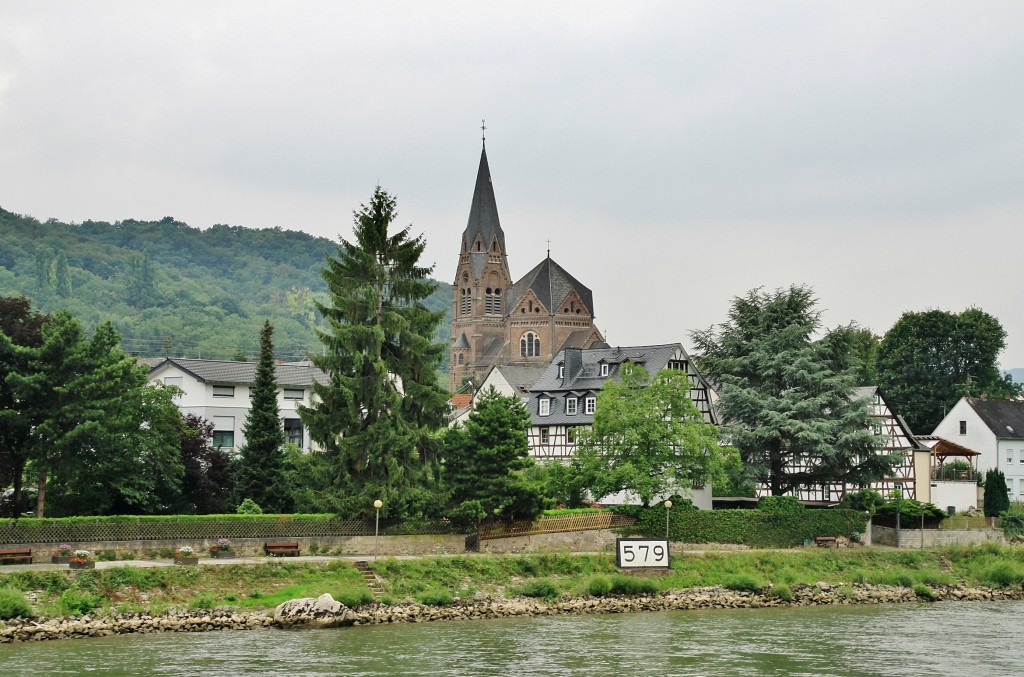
377	505
668	508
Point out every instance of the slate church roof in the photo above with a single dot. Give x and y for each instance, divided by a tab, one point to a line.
483	218
552	284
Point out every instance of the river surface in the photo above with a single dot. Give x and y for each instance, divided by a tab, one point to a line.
950	638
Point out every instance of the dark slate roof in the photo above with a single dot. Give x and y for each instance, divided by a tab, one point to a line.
551	283
521	378
582	377
483	213
224	371
1005	418
462	341
578	339
493	347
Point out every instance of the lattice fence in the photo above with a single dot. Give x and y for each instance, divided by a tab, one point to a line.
552	525
205	527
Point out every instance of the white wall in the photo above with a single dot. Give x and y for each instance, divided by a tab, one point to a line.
960	495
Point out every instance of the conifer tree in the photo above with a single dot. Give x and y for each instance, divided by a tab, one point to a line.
484	461
260	470
375	418
786	401
997	501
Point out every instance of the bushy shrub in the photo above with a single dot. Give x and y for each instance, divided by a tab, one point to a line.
543	588
435	597
996	499
76	602
599	586
1002	574
13	604
782	591
924	592
1012	521
864	500
742	582
202	601
249	507
780	504
631	585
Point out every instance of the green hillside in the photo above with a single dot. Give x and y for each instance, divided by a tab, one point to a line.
171	289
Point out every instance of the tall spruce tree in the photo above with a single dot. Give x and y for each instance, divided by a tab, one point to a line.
261	461
786	401
376	417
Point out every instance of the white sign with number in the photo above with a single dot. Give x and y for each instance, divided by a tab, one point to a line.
641	553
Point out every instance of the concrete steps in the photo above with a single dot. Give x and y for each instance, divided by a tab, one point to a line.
371	578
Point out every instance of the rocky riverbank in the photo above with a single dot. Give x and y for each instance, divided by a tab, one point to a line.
326	612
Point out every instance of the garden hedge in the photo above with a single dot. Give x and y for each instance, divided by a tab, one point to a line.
755	528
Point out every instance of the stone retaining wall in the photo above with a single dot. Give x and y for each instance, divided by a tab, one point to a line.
596	540
911	538
20	630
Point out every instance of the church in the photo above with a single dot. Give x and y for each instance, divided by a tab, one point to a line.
499	322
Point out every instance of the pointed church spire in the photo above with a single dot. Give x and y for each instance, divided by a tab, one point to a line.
483	213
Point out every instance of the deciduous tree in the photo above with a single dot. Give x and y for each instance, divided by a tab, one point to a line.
648	438
376	418
929	360
786	400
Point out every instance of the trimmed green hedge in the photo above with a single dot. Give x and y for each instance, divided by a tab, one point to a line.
756	528
162	527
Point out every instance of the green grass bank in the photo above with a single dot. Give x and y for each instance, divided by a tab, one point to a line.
440	581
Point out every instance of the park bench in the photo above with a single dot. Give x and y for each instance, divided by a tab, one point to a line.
825	541
281	548
19	555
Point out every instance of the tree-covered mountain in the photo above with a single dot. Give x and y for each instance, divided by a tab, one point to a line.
172	289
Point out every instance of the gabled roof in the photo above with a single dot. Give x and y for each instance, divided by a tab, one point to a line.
224	371
551	284
483	212
1005	418
462	341
521	377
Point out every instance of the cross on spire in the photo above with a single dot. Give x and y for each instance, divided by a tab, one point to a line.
483	131
549	247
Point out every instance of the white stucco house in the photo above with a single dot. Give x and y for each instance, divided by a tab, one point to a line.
218	390
994	429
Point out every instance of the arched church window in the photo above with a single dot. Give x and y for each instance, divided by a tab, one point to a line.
497	302
529	345
465	302
462	358
489	301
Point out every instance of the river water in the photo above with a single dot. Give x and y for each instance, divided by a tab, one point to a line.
949	638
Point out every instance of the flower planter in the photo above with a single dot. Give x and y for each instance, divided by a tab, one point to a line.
82	565
60	559
223	554
186	561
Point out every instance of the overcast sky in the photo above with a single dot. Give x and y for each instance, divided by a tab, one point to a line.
676	154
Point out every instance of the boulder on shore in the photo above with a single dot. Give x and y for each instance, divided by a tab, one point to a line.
323	611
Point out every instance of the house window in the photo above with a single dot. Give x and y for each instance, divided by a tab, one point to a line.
529	345
223	432
561	371
223	391
545	435
678	365
604	370
545	407
293	431
963	427
1009	486
570	435
589	405
1009	456
174	381
293	393
570	405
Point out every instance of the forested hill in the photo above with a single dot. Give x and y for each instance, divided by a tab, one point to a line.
171	289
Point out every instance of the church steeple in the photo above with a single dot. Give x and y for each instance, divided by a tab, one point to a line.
483	224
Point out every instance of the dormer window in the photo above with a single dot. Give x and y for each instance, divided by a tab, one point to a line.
561	371
544	407
604	369
571	404
589	405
